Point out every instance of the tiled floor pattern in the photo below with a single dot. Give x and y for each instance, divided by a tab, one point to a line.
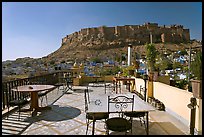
67	117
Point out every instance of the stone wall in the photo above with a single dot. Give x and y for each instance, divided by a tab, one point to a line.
139	33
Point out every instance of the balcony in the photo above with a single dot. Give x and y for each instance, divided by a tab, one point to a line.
67	117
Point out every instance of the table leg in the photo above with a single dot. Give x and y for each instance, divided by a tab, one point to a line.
116	87
147	119
34	104
93	128
120	86
105	88
34	100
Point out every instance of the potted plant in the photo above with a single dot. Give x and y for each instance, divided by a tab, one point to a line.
151	54
196	81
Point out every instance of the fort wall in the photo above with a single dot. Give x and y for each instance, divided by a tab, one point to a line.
139	33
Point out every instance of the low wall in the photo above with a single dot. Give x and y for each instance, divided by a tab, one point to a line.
164	79
88	79
175	101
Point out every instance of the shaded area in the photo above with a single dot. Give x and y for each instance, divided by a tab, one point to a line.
170	128
58	114
155	128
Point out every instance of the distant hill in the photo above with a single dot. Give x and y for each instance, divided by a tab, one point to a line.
111	42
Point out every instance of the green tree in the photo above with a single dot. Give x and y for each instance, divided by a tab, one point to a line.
162	62
151	54
196	66
177	65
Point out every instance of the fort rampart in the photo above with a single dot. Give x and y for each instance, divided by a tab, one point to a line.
138	33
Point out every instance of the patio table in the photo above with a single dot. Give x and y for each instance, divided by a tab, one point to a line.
34	89
116	81
99	104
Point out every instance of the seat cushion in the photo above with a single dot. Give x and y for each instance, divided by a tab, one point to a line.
135	114
118	124
97	116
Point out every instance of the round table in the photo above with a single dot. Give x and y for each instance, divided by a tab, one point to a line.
34	89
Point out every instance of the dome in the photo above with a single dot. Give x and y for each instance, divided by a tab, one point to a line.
75	65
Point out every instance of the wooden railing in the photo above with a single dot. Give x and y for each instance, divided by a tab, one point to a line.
8	94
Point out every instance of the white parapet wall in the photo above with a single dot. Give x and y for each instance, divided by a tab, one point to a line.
175	101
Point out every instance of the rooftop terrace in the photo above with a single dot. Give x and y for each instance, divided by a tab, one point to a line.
67	117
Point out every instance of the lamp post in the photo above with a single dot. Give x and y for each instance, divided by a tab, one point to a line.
192	106
145	78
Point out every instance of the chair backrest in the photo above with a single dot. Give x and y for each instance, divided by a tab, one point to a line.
120	104
86	98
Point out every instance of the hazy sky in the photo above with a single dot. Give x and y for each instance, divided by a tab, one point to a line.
36	29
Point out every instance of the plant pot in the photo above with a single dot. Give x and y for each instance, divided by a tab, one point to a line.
197	88
155	76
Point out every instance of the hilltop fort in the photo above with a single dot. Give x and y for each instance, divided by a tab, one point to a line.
108	42
136	34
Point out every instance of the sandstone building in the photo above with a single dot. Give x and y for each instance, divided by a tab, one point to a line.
137	34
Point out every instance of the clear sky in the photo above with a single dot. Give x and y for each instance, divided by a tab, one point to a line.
36	29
